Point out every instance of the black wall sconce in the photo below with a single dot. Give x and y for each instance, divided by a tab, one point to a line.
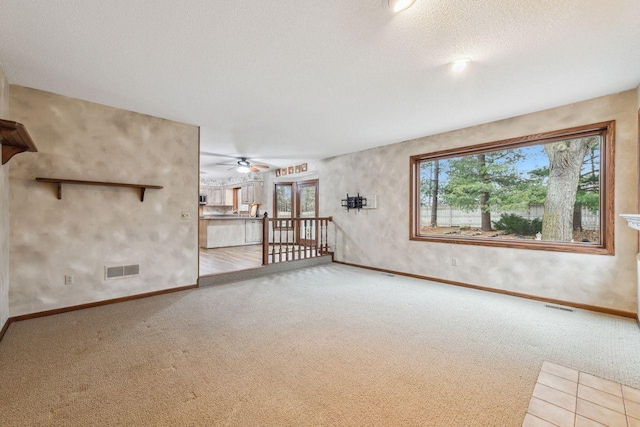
354	202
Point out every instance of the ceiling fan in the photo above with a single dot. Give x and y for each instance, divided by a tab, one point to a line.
245	166
242	165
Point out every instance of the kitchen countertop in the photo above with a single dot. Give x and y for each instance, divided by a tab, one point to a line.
231	217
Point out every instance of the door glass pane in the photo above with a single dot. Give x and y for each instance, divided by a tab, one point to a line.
307	202
283	201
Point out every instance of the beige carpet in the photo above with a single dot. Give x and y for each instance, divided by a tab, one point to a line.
329	345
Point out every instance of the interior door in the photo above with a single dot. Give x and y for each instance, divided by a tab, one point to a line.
307	207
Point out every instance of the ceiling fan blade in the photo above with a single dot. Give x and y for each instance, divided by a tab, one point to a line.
254	169
261	166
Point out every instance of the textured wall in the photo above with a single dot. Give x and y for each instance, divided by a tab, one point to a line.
380	237
270	180
4	213
94	227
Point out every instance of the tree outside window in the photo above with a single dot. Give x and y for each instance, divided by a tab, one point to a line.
547	192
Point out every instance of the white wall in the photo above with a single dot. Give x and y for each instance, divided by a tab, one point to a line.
4	213
94	227
380	237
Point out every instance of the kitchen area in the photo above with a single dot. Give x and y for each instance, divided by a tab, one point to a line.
230	227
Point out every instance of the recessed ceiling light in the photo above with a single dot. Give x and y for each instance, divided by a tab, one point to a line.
459	65
398	5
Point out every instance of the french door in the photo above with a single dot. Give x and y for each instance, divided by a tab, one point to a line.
297	200
306	207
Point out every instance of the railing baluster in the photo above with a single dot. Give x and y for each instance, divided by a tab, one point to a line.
286	240
294	225
320	245
280	242
319	225
273	238
265	239
301	231
326	237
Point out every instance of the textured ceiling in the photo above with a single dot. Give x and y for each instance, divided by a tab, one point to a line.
285	80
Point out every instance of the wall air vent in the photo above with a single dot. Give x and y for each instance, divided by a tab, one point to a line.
121	271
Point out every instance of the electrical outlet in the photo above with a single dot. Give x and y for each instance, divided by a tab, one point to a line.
186	215
346	248
454	262
68	279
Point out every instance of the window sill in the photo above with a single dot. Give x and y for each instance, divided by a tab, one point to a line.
537	245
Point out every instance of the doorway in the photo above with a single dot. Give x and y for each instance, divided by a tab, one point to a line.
297	200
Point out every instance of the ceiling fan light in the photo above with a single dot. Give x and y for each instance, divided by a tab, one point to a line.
459	65
399	5
243	169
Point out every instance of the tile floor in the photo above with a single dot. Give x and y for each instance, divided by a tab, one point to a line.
567	397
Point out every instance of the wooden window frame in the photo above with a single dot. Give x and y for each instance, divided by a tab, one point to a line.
236	201
607	219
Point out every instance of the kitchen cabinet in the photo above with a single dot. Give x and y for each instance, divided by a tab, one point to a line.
207	192
217	196
234	231
251	193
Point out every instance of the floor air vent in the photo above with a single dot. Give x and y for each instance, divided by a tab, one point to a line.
558	308
121	271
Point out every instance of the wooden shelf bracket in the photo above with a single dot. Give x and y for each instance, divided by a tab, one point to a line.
14	139
59	182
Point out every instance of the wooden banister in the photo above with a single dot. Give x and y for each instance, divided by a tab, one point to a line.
283	239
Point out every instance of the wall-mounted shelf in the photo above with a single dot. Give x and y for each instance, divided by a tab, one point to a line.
59	182
15	140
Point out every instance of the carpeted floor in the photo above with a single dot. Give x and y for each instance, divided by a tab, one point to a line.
328	345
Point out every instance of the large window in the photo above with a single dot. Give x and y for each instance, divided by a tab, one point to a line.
552	191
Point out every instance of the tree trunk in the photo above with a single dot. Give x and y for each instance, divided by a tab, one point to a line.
577	217
434	194
485	209
485	213
565	162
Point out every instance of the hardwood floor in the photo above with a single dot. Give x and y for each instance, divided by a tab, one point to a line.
223	260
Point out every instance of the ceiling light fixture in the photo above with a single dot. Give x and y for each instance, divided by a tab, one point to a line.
243	165
459	65
398	5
